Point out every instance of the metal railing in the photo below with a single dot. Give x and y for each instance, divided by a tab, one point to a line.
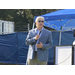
22	28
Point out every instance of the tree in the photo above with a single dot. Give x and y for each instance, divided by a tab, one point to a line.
21	17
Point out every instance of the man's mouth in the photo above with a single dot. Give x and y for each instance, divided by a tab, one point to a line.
40	24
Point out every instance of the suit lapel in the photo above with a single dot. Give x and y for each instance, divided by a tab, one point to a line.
35	32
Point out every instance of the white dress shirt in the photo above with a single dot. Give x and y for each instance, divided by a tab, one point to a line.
38	39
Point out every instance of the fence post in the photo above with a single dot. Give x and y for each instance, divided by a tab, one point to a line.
28	27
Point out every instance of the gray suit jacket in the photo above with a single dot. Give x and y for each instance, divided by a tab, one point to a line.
45	38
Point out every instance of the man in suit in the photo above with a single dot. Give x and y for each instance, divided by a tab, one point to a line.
39	41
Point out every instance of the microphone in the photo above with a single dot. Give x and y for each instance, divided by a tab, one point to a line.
39	32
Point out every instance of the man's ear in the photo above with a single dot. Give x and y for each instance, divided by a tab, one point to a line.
35	23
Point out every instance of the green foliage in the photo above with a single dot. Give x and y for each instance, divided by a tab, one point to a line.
21	17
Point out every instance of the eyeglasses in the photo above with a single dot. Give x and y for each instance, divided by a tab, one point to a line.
41	21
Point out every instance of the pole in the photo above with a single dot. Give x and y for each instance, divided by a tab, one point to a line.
28	27
60	36
33	25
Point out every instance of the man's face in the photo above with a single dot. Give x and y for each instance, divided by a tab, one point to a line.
40	23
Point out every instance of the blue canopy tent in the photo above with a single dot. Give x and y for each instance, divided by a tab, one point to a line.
60	14
61	20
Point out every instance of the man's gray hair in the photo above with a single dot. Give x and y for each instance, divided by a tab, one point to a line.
38	18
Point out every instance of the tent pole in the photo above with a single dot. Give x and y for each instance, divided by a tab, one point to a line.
61	31
60	36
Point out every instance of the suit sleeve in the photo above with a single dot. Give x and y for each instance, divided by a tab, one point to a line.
30	40
49	43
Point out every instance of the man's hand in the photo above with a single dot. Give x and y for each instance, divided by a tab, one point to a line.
37	37
39	45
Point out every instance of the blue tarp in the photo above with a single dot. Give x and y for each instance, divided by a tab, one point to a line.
8	48
14	50
64	18
22	47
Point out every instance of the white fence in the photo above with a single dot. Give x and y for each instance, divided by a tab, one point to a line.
6	27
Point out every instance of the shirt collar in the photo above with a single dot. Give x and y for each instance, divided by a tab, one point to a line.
41	29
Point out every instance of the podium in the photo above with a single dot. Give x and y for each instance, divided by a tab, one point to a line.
64	55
